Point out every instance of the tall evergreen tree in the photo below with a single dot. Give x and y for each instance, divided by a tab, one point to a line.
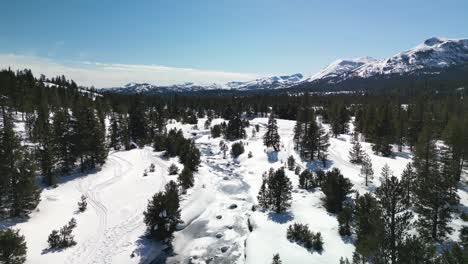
356	154
433	199
335	187
163	213
369	230
280	188
19	194
64	140
271	137
366	169
393	201
275	192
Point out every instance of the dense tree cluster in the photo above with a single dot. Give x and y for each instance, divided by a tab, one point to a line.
310	137
301	234
275	192
18	193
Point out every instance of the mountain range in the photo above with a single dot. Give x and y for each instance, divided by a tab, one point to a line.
430	57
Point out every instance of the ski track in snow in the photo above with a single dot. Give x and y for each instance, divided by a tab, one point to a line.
109	240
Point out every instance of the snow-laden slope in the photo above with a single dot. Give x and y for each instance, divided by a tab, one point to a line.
431	55
434	53
275	82
339	68
111	229
216	212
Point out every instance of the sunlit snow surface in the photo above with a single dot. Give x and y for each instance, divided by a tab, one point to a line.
111	230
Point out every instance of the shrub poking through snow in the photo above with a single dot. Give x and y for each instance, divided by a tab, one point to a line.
63	238
276	259
275	191
82	204
163	214
173	169
237	149
217	130
301	234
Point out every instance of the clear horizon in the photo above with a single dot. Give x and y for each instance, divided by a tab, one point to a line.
111	43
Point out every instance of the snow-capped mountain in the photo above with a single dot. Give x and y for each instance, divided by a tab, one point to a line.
434	53
429	57
340	67
275	82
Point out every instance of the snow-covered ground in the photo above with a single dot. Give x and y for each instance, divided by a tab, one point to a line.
219	223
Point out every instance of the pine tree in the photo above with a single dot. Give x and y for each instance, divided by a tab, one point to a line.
46	149
82	204
306	180
12	247
63	137
433	198
185	178
369	230
393	202
271	137
173	169
280	188
356	154
275	192
138	122
291	163
322	144
386	173
366	169
19	194
335	187
345	218
189	155
115	136
263	196
408	180
276	259
163	213
235	129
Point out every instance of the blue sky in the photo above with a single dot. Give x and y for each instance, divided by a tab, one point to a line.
241	39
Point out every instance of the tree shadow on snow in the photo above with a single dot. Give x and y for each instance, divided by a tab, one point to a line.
280	218
315	165
404	155
151	251
272	156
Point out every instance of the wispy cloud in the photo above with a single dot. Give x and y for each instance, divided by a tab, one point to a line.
89	73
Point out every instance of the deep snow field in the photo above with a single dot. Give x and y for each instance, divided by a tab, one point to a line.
217	211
